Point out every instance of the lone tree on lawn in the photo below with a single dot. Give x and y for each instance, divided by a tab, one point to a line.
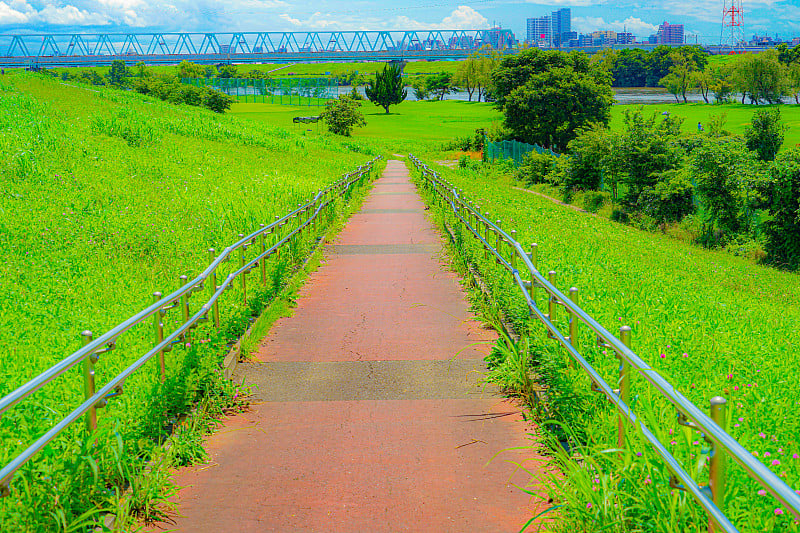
387	88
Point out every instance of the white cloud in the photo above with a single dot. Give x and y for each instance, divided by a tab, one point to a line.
465	18
70	15
462	18
9	15
632	24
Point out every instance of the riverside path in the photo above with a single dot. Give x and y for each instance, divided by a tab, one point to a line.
368	415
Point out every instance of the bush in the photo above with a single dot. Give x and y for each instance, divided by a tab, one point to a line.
462	144
342	115
594	200
783	193
765	135
535	167
671	199
618	215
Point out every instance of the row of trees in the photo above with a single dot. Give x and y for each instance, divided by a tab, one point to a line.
141	79
767	76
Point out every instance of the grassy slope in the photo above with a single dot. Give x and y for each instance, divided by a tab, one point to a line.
724	326
91	225
738	117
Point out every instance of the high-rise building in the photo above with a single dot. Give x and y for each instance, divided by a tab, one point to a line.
562	23
540	31
670	33
625	38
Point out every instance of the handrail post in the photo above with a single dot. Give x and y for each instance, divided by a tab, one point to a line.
624	383
88	383
187	336
241	265
551	300
498	240
513	249
486	238
158	327
717	470
573	324
214	288
534	257
263	259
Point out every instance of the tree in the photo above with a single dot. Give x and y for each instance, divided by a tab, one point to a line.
488	60
630	68
467	75
783	193
765	133
187	69
117	73
227	71
217	101
548	96
440	84
721	86
661	59
342	115
793	81
648	148
142	71
681	75
703	80
760	76
719	166
387	88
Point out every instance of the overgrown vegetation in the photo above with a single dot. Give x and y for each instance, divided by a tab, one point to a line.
719	187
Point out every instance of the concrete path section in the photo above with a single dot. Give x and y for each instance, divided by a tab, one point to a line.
369	412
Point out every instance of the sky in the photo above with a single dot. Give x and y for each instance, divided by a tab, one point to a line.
701	18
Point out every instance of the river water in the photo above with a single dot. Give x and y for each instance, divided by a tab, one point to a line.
623	95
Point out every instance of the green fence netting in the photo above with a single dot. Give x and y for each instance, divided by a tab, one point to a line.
285	91
512	150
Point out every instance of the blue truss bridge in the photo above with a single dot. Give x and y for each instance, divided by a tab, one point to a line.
100	49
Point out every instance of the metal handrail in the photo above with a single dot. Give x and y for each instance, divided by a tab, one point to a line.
688	412
97	399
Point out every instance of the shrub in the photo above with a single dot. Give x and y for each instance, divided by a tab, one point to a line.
535	167
783	192
671	199
619	215
594	200
765	135
342	115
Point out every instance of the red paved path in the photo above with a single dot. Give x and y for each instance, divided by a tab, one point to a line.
362	424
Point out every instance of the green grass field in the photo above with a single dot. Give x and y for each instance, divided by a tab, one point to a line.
711	323
109	196
738	117
410	125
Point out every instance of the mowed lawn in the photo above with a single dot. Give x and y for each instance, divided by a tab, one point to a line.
428	122
738	117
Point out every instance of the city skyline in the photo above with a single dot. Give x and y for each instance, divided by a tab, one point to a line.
702	22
